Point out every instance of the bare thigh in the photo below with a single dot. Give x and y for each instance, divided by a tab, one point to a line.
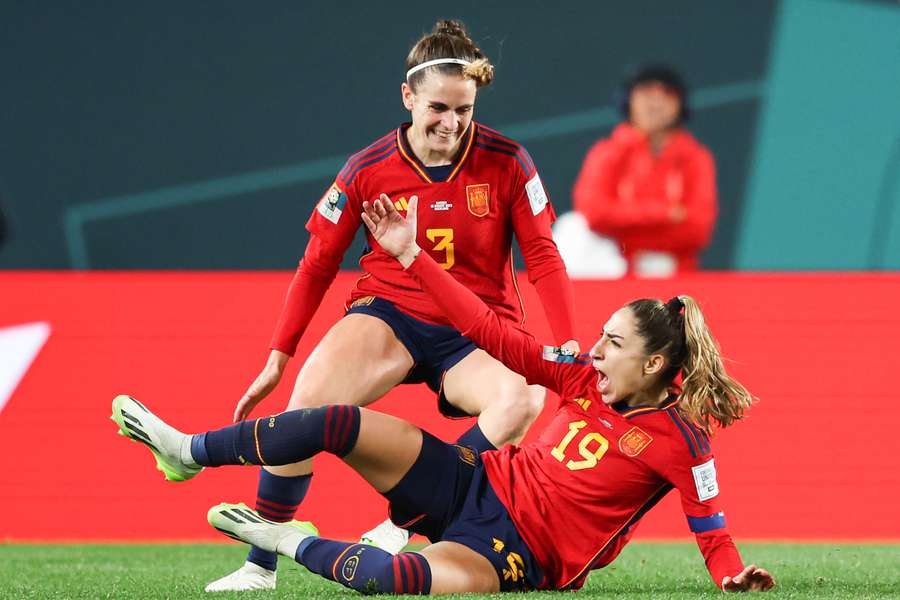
481	385
358	361
457	569
387	447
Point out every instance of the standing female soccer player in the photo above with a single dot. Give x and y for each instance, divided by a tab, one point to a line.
477	189
541	516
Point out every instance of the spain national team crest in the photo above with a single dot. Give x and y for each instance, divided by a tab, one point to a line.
479	199
634	441
466	455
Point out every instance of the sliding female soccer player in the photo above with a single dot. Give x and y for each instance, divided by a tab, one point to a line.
540	516
477	190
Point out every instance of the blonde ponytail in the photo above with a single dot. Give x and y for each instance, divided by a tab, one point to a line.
709	395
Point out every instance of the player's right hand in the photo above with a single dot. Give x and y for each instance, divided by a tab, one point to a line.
394	233
264	383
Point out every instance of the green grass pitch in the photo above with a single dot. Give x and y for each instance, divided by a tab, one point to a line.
645	570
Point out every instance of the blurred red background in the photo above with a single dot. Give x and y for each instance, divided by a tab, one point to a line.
815	460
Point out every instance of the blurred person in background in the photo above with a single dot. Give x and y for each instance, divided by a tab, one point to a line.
650	187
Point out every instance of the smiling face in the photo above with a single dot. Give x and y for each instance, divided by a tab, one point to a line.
441	108
625	371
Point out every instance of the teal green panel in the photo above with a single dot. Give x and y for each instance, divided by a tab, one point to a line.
824	153
886	243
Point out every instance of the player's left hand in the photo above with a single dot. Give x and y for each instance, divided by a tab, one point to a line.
751	579
571	346
392	232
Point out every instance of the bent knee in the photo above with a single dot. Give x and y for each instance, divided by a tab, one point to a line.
512	411
309	394
313	391
522	405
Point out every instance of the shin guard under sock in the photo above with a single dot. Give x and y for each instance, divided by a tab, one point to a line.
365	568
280	439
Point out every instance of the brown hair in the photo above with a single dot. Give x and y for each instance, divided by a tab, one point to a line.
708	395
449	39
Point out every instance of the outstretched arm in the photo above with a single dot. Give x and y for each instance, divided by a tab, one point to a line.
466	311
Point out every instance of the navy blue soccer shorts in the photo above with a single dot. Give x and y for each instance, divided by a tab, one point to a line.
446	496
434	348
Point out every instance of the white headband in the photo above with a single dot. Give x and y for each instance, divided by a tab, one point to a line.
437	61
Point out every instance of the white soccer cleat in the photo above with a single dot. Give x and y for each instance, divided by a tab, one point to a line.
171	448
242	523
249	577
386	536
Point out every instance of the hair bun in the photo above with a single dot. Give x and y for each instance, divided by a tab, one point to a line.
450	27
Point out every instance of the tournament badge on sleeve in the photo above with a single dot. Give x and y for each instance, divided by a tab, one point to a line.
331	206
479	199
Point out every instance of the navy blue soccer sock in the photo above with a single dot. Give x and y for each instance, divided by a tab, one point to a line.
277	499
280	439
475	439
365	568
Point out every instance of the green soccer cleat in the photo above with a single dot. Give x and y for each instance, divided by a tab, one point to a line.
170	447
242	523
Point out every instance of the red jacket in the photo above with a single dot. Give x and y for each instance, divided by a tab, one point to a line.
628	194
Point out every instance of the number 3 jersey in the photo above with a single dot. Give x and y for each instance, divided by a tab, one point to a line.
578	492
468	212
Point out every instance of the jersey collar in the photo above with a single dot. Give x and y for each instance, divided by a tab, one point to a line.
633	411
406	153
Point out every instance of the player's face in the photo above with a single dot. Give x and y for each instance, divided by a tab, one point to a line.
654	107
620	360
441	108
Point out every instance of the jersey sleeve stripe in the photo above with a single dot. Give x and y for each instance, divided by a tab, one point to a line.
354	160
527	158
687	437
521	155
699	435
692	430
499	139
377	143
704	524
370	161
504	151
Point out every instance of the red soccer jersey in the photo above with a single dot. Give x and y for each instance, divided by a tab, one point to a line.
578	492
466	223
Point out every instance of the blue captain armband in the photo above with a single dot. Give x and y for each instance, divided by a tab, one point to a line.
704	524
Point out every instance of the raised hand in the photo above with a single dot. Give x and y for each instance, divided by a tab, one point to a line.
751	579
392	232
